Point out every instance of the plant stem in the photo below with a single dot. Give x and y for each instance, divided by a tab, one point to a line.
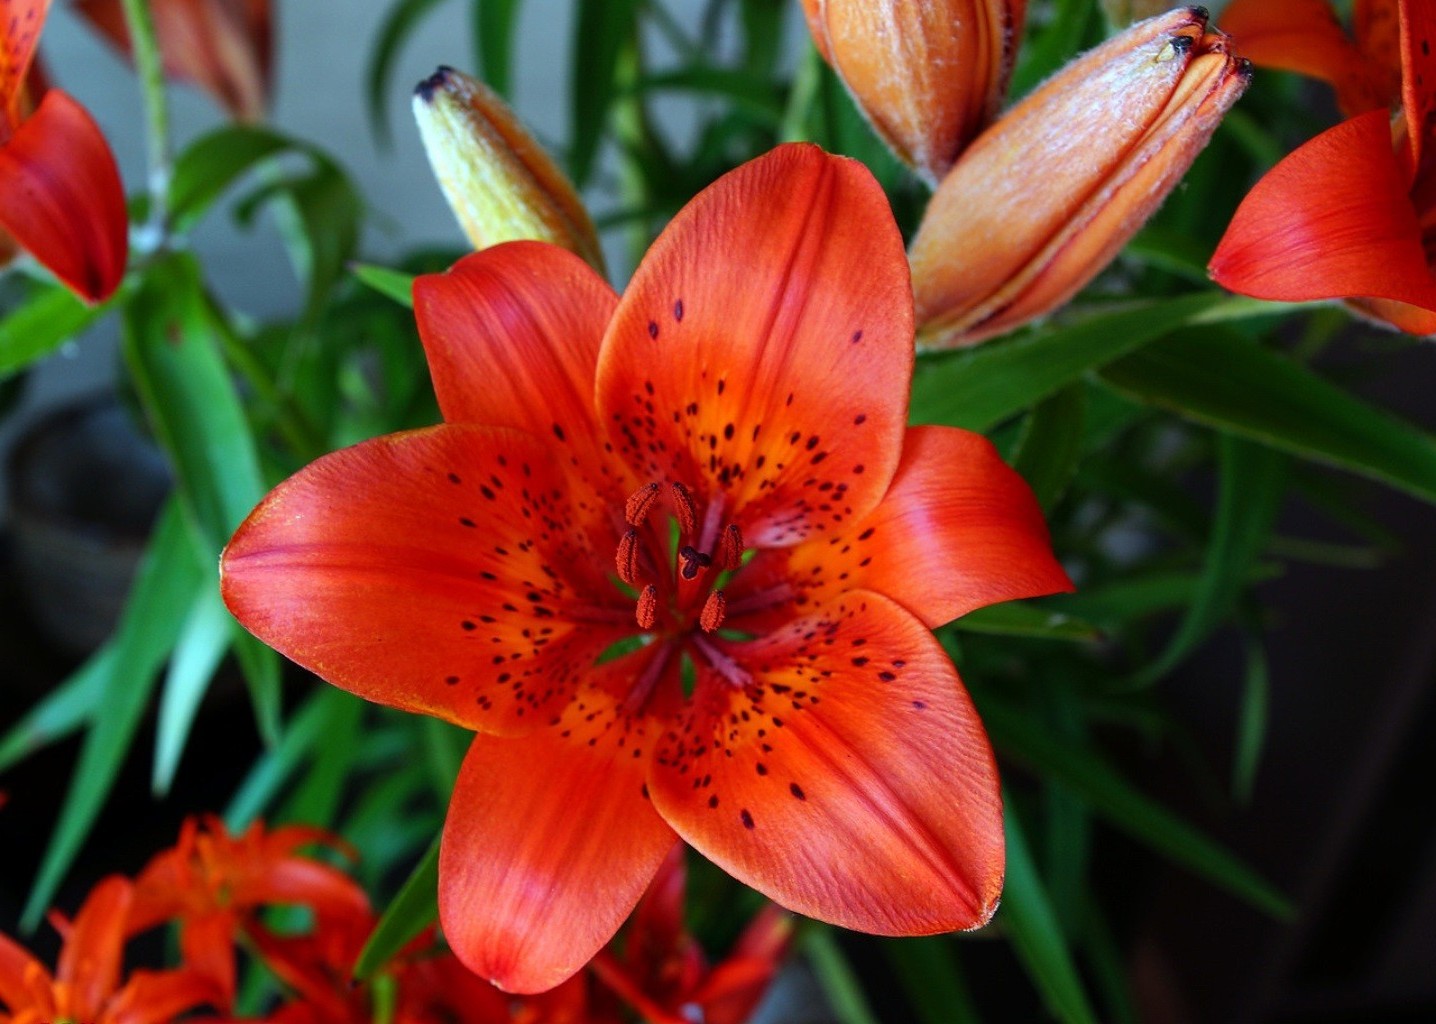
144	44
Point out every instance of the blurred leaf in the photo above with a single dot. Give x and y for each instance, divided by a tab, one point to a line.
601	31
1146	593
401	21
763	36
1111	796
42	323
66	708
319	216
1173	251
1018	618
1251	720
214	162
444	746
395	284
755	97
278	764
414	908
1048	48
158	606
315	800
494	22
203	639
835	975
1051	444
1027	919
932	980
979	387
1218	377
262	672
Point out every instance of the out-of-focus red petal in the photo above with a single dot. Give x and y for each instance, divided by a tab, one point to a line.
1332	220
61	197
207	944
958	530
1418	81
158	997
764	348
551	839
93	952
442	571
17	970
849	779
21	21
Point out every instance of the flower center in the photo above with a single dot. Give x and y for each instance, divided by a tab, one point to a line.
676	562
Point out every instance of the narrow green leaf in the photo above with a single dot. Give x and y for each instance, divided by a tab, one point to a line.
1220	378
398	25
278	764
494	22
316	799
169	575
1019	618
1028	920
444	746
601	30
392	283
263	675
203	639
41	324
1113	797
980	387
758	98
1251	720
214	162
319	216
841	986
411	911
932	980
1118	602
62	711
1051	444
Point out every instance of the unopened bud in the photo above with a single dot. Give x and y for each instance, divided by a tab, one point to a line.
1046	198
928	74
499	182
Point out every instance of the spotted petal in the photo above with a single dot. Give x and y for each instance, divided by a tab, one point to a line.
438	571
551	840
21	21
764	347
849	780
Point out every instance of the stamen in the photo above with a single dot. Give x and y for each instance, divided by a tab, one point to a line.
639	503
693	560
713	610
684	510
627	558
729	555
647	611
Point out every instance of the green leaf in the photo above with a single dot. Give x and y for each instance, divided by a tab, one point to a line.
980	387
1219	378
414	908
1019	618
169	575
263	676
62	711
315	801
835	975
494	22
601	31
42	323
278	764
1111	796
214	162
932	979
203	639
319	216
1029	921
395	284
403	18
1051	444
1118	602
758	98
1251	720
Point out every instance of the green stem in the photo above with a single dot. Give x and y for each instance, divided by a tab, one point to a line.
801	96
150	69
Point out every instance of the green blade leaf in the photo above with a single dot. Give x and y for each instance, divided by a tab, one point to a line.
62	711
316	799
42	323
203	639
393	283
836	977
1019	618
169	575
1029	921
214	162
932	980
411	911
494	22
1220	378
601	30
278	764
1251	720
403	18
1051	444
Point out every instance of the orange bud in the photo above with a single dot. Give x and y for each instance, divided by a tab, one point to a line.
928	74
1044	199
499	182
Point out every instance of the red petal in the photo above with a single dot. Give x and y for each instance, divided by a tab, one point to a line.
91	957
957	530
22	21
765	347
207	943
443	571
1418	79
850	780
1331	220
18	970
61	197
550	841
157	997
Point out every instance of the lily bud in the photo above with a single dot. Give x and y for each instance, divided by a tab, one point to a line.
1047	196
928	74
499	182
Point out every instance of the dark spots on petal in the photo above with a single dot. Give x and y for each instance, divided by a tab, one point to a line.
797	791
860	419
790	399
468	625
678	310
451	680
713	800
644	790
746	817
867	533
722	384
858	469
887	677
813	442
466	521
762	768
728	432
653	328
857	337
454	478
558	432
859	662
920	705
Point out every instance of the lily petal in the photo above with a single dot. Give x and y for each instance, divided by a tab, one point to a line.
368	568
61	197
764	347
551	840
18	971
23	20
155	997
1418	84
90	959
958	530
1332	220
207	944
867	797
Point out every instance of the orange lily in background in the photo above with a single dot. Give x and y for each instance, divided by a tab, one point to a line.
225	47
584	564
927	75
1047	197
1352	213
212	883
60	193
86	984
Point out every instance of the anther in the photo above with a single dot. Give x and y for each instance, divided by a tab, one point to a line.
627	558
639	503
683	509
647	611
729	555
713	610
693	560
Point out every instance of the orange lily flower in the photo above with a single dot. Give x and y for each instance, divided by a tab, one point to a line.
223	46
1352	213
213	883
675	557
60	192
86	985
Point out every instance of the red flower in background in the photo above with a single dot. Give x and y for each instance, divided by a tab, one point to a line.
675	557
1352	213
60	193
